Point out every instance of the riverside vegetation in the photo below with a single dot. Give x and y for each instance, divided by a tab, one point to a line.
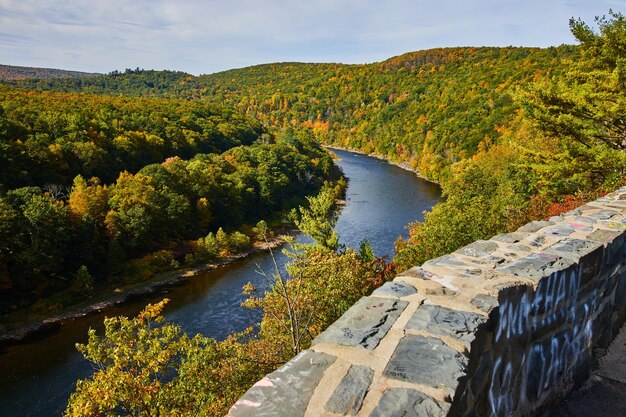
145	369
511	134
97	192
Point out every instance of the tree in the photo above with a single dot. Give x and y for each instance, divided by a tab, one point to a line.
8	231
88	201
83	283
44	231
319	286
588	103
288	314
366	252
143	368
318	219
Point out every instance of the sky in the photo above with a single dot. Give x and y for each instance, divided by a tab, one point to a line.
206	36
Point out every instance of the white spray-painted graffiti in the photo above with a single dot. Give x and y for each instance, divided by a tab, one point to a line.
513	320
556	326
555	289
500	399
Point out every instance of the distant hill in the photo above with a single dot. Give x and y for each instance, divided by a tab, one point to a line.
430	108
10	72
137	82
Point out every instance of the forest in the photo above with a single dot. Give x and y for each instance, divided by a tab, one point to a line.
482	122
510	134
429	108
90	183
12	72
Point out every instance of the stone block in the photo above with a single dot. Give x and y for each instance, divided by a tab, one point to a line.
603	214
427	361
444	283
521	248
406	402
581	226
560	230
618	205
581	211
602	327
536	241
509	237
484	302
479	249
502	395
604	236
614	239
620	294
535	226
588	254
610	282
556	290
511	317
435	319
557	361
446	261
396	289
287	391
364	324
586	220
533	266
456	265
347	398
417	272
573	248
550	323
480	377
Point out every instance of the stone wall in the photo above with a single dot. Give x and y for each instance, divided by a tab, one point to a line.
503	327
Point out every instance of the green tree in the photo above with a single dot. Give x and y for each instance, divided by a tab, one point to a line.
83	283
44	231
588	103
318	219
319	286
143	368
146	367
237	242
366	252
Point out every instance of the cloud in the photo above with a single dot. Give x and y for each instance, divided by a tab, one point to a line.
201	36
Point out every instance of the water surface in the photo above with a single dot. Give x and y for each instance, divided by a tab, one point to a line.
37	378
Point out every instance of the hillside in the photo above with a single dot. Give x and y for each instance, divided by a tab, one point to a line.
10	72
511	134
137	82
429	108
117	188
488	123
69	134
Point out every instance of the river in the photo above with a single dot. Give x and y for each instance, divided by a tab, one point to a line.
37	378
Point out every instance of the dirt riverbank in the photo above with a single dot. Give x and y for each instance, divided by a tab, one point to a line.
40	328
